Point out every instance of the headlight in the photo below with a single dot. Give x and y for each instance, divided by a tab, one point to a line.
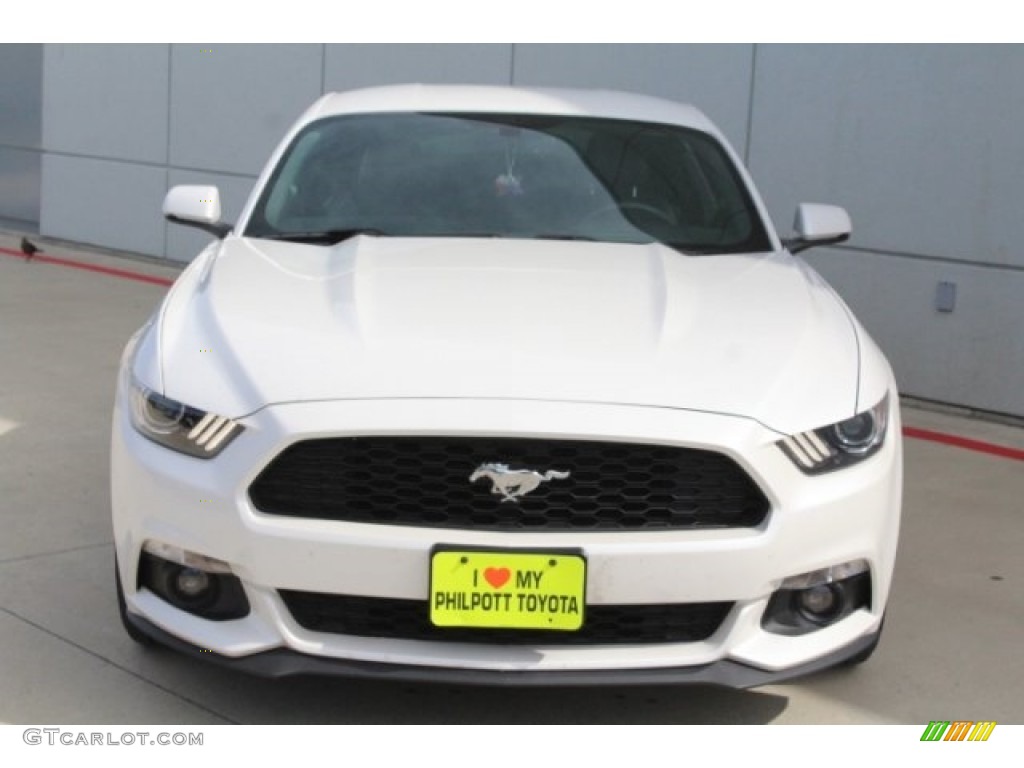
841	444
178	426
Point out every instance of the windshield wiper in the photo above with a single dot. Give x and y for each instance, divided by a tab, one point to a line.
325	237
563	236
508	236
688	249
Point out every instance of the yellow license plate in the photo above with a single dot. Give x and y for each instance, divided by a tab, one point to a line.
513	590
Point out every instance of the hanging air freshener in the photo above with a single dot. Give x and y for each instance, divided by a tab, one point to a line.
508	184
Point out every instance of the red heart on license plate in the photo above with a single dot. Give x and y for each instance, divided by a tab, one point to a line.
497	577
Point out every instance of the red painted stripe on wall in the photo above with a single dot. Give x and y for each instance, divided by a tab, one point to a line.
964	442
124	274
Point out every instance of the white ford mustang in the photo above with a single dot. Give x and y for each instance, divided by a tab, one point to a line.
506	386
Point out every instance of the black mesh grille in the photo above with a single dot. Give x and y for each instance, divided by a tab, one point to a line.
424	481
410	620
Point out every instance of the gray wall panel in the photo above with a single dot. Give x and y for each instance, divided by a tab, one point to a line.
21	95
231	106
713	78
355	66
19	185
106	100
921	143
183	243
21	133
103	202
973	356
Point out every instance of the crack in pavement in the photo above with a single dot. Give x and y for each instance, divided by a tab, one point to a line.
120	667
21	558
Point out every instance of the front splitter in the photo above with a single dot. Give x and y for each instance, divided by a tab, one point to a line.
287	663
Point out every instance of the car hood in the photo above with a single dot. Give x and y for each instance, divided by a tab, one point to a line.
256	322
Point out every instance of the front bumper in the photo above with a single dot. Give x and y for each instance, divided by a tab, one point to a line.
287	663
203	506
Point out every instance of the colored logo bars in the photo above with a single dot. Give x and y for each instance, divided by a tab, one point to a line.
958	730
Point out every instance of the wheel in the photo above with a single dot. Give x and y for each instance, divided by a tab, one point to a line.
133	631
862	656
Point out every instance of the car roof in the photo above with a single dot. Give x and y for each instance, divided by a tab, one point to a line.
510	99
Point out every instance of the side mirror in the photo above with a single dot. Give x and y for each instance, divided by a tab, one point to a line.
817	224
196	206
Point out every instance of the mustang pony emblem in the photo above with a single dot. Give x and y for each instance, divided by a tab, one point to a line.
513	483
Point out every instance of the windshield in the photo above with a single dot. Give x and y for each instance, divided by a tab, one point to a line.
517	176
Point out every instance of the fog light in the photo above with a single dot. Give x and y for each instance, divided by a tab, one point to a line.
816	599
821	602
213	595
192	583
